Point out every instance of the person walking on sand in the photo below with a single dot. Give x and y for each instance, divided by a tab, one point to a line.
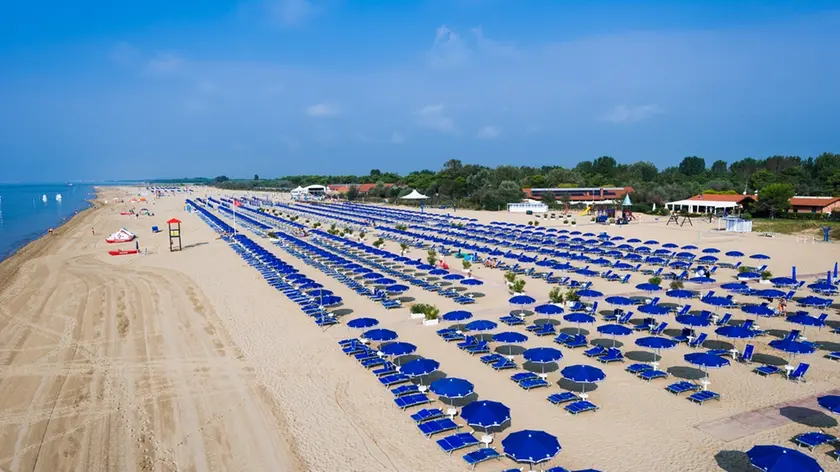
93	231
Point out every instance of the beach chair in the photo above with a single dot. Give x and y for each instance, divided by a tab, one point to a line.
814	439
545	329
698	341
703	396
798	375
652	374
520	376
835	356
682	387
480	348
409	401
427	414
686	335
469	341
766	370
625	318
638	368
645	325
456	442
612	355
369	363
659	328
405	390
528	384
562	397
724	320
512	320
389	368
454	336
562	338
491	358
484	454
504	364
580	407
747	355
595	351
394	379
578	340
389	304
432	427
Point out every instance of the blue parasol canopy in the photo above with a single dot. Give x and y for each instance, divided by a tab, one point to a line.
529	446
694	321
510	337
656	343
384	281
680	293
457	315
485	414
702	280
481	325
319	293
830	403
579	318
542	355
362	323
614	330
472	282
704	359
805	319
768	293
781	459
735	254
452	387
309	286
760	257
548	309
648	287
736	332
521	300
784	282
380	335
813	301
618	300
758	310
749	276
438	272
453	277
793	347
583	373
718	301
651	309
398	348
396	288
588	293
419	367
711	250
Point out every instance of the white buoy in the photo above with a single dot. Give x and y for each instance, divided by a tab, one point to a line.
58	197
44	198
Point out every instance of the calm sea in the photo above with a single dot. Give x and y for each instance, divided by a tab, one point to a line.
24	216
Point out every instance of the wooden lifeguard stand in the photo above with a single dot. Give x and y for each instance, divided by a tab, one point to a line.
174	234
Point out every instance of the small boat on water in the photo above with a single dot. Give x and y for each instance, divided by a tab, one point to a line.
44	198
58	197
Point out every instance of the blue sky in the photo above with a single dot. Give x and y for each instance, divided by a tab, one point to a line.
104	89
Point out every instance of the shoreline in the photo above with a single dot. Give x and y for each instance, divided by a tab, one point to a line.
10	265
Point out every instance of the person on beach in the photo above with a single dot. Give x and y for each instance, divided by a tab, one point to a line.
93	231
783	306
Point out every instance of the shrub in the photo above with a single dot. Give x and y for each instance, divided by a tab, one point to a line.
536	223
317	224
404	246
655	280
431	256
272	235
676	284
574	222
742	269
510	276
419	308
518	286
555	295
379	242
348	230
467	264
362	234
432	312
572	296
766	275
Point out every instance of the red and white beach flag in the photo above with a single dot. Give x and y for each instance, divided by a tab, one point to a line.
236	203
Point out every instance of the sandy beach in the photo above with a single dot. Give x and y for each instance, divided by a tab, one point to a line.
189	361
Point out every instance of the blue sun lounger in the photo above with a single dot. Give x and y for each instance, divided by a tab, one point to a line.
427	414
481	348
612	355
638	368
520	376
576	341
813	439
504	364
562	338
491	358
703	396
376	362
393	379
798	375
596	351
456	442
835	356
432	427
652	374
405	390
387	369
476	457
533	383
580	407
562	397
409	401
766	370
682	387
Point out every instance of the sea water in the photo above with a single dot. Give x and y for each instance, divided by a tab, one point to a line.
25	217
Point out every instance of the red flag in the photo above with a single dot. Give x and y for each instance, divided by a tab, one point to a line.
237	203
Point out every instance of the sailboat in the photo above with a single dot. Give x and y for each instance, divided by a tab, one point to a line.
44	198
58	197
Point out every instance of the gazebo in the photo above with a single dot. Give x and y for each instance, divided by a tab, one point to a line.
414	195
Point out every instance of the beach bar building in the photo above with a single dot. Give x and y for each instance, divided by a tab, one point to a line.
705	203
803	204
581	195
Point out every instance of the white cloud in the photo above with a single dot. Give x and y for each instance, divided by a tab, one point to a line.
488	132
322	110
397	138
291	12
165	63
632	114
435	117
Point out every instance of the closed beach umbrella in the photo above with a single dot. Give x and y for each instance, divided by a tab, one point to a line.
530	447
379	335
485	414
398	348
773	458
362	323
451	387
457	315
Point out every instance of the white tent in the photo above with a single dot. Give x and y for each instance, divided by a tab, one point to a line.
298	193
414	195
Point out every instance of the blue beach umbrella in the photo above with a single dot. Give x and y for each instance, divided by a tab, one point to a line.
656	343
451	387
830	403
784	282
548	309
419	367
736	287
509	337
758	310
824	288
760	257
589	293
614	330
457	315
485	414
718	301
362	323
805	319
816	302
793	347
542	355
735	254
702	280
329	301
453	277
711	250
310	286
384	281
736	332
396	289
694	321
618	300
438	272
579	319
706	360
372	276
379	335
531	447
362	270
521	300
480	325
295	276
680	293
397	348
651	309
583	374
749	276
472	282
648	287
771	458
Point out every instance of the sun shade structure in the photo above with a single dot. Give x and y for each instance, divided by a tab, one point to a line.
530	446
771	458
457	315
398	348
379	335
414	195
485	414
452	387
830	403
362	323
419	367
